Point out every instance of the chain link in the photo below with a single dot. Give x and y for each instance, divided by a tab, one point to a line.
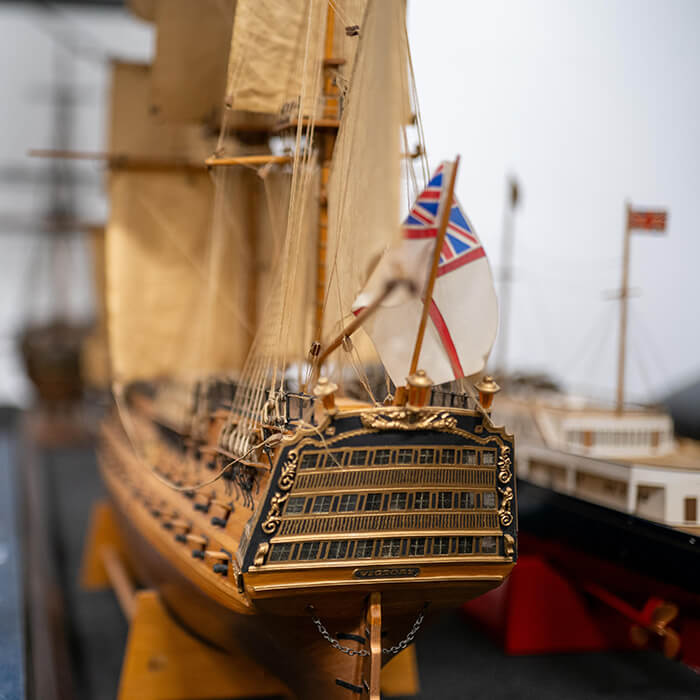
391	651
334	642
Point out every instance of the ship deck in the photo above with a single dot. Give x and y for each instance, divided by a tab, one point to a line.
455	659
685	456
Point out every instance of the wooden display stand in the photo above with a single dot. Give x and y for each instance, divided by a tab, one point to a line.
162	660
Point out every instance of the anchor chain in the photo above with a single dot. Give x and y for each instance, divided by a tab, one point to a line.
391	651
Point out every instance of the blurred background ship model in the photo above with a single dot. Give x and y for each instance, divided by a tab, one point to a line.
608	497
62	349
277	497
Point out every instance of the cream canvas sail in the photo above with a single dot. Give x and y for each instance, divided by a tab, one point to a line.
188	252
275	54
145	9
189	69
365	183
134	128
156	238
186	272
463	311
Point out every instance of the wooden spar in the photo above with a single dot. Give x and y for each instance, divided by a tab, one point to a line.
121	161
66	154
439	241
624	296
57	224
328	46
326	139
214	161
124	161
358	321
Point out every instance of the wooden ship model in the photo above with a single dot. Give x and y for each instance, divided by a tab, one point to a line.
271	507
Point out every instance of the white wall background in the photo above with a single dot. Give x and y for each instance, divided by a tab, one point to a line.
33	42
588	102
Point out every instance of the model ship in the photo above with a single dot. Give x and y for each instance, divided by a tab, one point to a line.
272	509
630	464
609	494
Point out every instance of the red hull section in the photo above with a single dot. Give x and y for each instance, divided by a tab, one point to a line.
560	600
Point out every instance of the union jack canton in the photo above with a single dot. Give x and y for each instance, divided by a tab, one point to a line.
461	244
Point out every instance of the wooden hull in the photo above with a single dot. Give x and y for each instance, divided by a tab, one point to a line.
51	356
290	647
263	605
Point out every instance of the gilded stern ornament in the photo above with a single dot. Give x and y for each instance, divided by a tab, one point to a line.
407	419
504	512
274	514
504	465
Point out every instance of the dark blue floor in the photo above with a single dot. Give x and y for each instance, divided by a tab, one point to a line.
98	629
456	662
12	637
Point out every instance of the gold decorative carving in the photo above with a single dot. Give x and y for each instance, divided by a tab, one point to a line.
407	419
509	545
504	512
286	481
274	515
311	440
289	472
504	465
261	554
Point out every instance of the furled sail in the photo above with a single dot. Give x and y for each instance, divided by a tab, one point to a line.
463	310
189	68
276	47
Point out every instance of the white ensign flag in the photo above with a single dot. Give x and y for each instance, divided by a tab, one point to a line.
463	311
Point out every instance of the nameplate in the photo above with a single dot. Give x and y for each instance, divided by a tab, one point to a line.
386	572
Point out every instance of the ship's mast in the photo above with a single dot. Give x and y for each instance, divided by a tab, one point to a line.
645	220
506	275
327	129
624	296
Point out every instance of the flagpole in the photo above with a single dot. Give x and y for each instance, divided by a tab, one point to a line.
624	296
506	276
439	241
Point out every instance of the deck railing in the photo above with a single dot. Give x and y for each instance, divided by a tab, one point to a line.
295	405
450	399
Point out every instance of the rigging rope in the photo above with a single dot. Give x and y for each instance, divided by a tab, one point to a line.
130	430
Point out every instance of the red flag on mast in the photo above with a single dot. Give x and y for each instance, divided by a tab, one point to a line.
646	220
